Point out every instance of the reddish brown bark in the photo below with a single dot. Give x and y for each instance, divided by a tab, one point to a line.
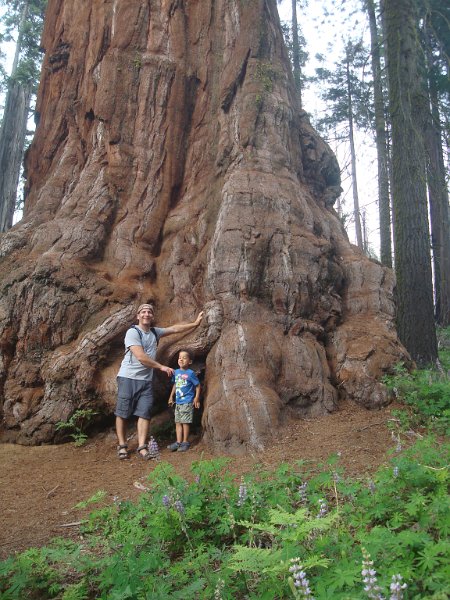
171	163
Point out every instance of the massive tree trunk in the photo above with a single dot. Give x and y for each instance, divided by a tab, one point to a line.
170	163
408	108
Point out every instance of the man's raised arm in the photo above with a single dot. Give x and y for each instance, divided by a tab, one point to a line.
183	327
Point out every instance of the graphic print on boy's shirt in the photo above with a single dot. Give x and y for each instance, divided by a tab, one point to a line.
185	383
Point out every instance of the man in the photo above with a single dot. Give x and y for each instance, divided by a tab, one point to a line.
134	380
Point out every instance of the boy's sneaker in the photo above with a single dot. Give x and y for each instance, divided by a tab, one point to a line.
184	446
173	447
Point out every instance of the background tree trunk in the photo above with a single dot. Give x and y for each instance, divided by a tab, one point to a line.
12	142
296	53
438	199
408	107
171	164
351	137
13	133
384	204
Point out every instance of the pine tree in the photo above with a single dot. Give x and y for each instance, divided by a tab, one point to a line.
296	45
380	139
436	49
408	107
348	99
25	18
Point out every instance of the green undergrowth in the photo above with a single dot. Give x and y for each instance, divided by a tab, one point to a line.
425	393
305	530
218	538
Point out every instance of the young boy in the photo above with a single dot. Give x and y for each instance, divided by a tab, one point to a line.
186	390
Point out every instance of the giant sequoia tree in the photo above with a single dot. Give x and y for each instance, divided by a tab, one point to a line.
171	163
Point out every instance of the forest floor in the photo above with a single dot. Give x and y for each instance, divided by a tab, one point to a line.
40	486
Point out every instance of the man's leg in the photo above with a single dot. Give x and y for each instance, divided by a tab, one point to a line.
121	430
143	426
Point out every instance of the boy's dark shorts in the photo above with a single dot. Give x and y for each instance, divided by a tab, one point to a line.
134	397
184	413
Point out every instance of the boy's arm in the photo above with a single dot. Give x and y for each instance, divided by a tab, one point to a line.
182	327
172	393
197	396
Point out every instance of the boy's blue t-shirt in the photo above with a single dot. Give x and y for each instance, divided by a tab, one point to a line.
185	383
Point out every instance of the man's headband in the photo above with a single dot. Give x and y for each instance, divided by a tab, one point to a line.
149	306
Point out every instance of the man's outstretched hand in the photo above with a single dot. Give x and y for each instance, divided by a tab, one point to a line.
167	370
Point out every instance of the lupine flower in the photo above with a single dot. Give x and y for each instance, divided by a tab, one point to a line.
153	449
369	575
178	506
300	580
395	472
218	591
336	477
302	492
197	480
323	510
372	486
166	501
397	587
396	439
242	493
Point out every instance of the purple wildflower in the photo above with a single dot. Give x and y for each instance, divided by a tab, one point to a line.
153	449
218	591
336	477
396	439
369	575
166	501
300	580
323	510
302	492
397	587
178	506
242	493
372	486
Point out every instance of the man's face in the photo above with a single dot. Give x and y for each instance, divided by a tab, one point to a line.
145	317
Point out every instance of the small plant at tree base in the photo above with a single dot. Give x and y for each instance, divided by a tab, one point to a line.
77	425
153	449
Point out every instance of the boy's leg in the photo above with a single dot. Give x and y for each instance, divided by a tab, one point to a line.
186	427
179	427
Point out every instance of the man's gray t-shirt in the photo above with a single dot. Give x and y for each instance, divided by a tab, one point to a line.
131	367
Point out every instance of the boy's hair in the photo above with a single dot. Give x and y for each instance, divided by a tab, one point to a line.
187	352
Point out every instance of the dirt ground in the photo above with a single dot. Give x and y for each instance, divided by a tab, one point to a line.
40	486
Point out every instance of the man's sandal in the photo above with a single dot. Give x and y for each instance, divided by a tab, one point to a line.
122	451
145	456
